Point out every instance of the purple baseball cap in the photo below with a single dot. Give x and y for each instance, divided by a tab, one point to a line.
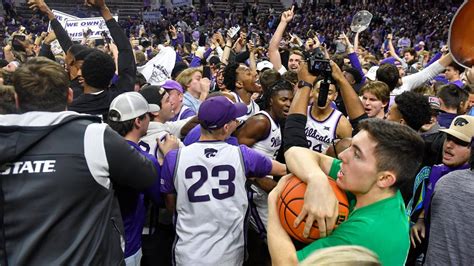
172	85
217	111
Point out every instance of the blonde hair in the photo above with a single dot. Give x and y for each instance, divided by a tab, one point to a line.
185	77
342	256
378	88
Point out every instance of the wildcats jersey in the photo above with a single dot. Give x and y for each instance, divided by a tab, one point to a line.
252	108
258	197
272	143
320	134
211	205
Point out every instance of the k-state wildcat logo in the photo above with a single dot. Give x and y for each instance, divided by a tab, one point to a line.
460	122
210	152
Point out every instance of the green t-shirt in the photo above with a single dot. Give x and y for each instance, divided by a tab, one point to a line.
381	227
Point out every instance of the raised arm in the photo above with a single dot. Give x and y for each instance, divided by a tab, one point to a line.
61	33
126	60
273	52
392	51
354	106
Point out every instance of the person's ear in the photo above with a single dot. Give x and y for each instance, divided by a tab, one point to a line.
239	84
17	102
386	179
70	96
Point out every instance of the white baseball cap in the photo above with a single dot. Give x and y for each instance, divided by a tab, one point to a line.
264	64
372	73
130	105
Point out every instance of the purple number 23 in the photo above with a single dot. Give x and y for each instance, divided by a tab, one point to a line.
203	175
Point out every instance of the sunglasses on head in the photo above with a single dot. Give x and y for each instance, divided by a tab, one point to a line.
457	141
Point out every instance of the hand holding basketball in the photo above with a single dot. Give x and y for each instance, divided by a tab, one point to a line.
320	205
291	192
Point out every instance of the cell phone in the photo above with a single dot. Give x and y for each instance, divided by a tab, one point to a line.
234	31
99	42
206	72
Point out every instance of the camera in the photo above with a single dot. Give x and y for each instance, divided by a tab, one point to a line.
320	67
317	65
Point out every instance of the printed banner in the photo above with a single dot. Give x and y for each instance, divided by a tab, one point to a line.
158	69
62	18
76	27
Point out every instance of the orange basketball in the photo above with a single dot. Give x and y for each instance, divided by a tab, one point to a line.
290	204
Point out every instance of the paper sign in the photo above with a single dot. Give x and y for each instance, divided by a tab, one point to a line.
76	27
61	17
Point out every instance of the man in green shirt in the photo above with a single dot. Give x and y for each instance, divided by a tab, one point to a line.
383	156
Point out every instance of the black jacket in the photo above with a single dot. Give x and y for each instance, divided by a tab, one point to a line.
57	203
98	104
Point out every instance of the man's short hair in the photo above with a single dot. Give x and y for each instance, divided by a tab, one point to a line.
122	127
411	51
452	95
41	85
230	76
268	78
457	67
389	74
394	139
7	100
186	76
297	51
98	69
414	108
378	88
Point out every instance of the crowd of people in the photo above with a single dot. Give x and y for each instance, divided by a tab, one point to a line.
171	142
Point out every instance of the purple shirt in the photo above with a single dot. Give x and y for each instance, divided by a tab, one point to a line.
255	164
185	114
133	209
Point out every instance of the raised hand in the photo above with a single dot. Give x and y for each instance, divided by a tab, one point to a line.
99	4
287	16
40	5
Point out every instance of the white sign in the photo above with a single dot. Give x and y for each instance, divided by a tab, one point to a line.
158	69
62	18
76	27
152	16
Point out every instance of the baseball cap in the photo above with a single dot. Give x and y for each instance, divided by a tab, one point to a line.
153	94
434	103
130	105
172	85
461	128
217	111
264	64
372	73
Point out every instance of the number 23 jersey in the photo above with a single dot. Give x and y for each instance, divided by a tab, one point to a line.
209	180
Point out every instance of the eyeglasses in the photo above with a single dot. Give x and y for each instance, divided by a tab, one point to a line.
457	141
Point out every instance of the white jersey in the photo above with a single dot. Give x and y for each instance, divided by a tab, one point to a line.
272	143
320	134
211	205
252	108
257	196
157	130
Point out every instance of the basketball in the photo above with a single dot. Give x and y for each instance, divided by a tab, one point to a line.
290	203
